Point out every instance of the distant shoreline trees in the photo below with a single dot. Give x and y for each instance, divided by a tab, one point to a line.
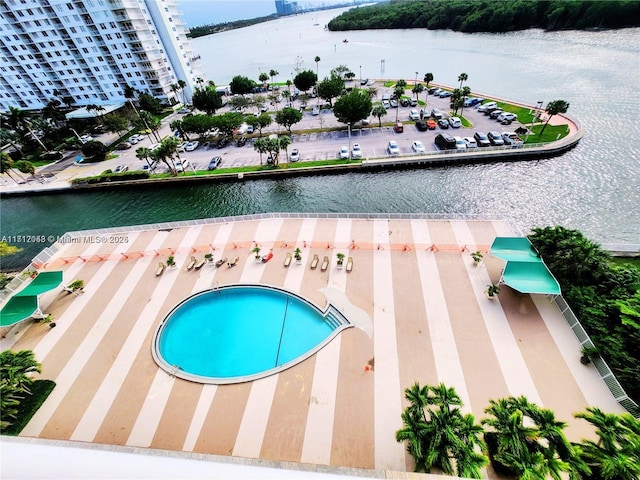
490	16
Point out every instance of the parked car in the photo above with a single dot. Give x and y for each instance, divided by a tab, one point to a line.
495	138
123	146
249	129
214	163
191	146
414	115
182	165
417	147
295	155
344	152
482	107
443	123
356	151
386	97
422	125
436	92
506	118
315	111
181	146
431	124
394	103
393	148
385	104
495	113
487	111
481	139
511	138
455	122
436	113
404	102
86	138
460	143
444	94
470	141
121	169
241	142
398	127
413	102
184	111
364	81
444	141
223	142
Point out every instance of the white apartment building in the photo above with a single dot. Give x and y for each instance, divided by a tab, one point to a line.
90	49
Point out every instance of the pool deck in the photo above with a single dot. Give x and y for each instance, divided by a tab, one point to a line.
412	278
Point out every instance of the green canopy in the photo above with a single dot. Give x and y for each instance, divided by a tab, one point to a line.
44	282
17	309
24	304
514	248
530	277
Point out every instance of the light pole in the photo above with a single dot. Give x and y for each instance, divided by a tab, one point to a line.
540	102
361	75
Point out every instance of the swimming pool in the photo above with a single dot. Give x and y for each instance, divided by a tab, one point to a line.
238	333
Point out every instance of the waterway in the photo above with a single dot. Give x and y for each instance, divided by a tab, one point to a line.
594	187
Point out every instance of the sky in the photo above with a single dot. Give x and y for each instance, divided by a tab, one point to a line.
204	12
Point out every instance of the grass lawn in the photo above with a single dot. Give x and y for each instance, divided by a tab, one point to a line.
40	390
525	115
631	261
551	133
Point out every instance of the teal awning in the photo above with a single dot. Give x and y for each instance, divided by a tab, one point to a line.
18	309
44	282
514	248
530	277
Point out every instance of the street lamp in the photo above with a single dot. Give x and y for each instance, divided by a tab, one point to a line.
360	74
538	108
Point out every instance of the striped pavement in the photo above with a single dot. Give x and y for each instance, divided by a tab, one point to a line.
413	279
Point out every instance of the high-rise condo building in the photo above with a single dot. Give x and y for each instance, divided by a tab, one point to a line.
90	49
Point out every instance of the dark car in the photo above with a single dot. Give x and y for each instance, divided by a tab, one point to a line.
123	146
214	163
404	102
422	125
444	141
223	142
443	123
495	138
241	141
481	139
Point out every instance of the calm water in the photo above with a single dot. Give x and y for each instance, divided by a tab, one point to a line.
594	188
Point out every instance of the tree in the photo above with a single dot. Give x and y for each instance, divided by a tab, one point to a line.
273	73
150	104
95	151
241	85
616	454
373	92
25	166
402	84
176	126
466	91
456	100
272	146
227	123
417	89
379	111
148	121
317	60
207	100
238	102
182	84
284	144
438	435
463	77
258	101
17	368
287	117
165	152
330	87
305	80
263	77
6	164
428	78
264	120
143	153
174	88
352	107
398	92
198	124
527	441
260	146
554	108
115	123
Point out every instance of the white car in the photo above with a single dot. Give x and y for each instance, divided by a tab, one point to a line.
455	122
356	151
507	117
133	139
417	147
191	146
460	143
121	169
483	107
182	146
315	111
470	141
414	115
86	138
344	152
182	165
295	155
393	148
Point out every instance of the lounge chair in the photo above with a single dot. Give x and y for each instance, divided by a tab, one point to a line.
314	262
160	270
325	263
198	265
221	262
234	263
266	258
287	260
349	264
72	288
191	263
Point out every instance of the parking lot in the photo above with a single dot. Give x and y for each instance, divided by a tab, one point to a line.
325	145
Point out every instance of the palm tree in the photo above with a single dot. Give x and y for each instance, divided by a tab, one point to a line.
176	125
174	88
16	368
616	454
273	73
181	85
285	141
554	108
398	91
317	60
261	147
418	88
372	92
143	153
428	78
6	164
463	77
150	122
466	91
379	111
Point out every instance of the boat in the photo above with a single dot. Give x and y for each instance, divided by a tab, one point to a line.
345	41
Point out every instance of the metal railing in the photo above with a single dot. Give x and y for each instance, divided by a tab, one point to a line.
601	366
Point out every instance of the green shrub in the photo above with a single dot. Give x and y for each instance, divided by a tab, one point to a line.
40	390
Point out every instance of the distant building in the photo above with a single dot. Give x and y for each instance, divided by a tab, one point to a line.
285	7
90	49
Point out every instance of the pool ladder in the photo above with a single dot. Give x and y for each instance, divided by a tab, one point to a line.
334	318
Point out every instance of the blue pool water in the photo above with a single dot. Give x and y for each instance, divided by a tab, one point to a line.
238	333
